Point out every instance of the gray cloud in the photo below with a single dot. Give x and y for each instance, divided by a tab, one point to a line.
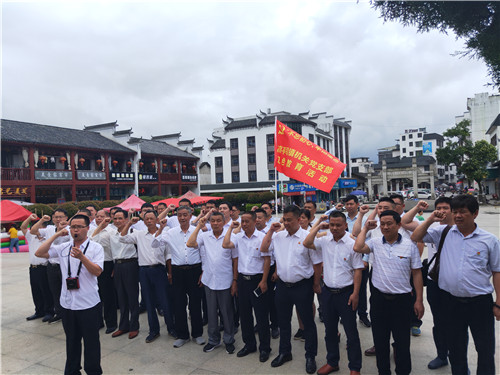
163	67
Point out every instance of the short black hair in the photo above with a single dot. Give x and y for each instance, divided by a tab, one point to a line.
161	204
261	211
151	211
251	213
219	203
292	209
351	197
313	203
120	210
62	210
79	216
306	212
212	201
269	204
184	200
147	205
337	214
445	200
465	201
386	199
392	213
92	205
86	211
397	196
114	209
216	213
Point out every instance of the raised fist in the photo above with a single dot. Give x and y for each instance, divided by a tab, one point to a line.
371	224
135	220
235	224
46	218
364	209
275	227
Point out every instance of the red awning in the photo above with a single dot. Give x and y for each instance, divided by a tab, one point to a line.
11	212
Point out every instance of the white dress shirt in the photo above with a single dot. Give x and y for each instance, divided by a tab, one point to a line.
339	260
175	241
147	255
250	258
217	262
103	239
392	264
87	295
48	232
466	263
121	250
294	262
33	245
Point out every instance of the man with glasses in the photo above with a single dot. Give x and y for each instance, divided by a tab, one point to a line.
81	262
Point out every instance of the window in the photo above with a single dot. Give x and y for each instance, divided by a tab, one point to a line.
235	176
271	174
235	160
418	153
295	127
403	138
270	139
233	143
410	136
251	159
250	142
311	137
270	156
219	178
418	144
404	150
411	153
355	169
218	161
252	176
411	144
419	135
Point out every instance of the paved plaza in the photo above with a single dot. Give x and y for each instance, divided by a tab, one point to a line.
39	348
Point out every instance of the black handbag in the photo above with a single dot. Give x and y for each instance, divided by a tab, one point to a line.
434	273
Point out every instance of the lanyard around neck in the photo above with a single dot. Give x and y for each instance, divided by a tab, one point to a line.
80	265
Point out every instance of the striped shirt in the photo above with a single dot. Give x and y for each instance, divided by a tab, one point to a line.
392	264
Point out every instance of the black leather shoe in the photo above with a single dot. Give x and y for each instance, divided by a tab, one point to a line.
244	352
34	316
281	359
110	330
264	356
47	317
310	365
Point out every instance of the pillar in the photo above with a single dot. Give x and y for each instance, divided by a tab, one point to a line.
384	177
433	194
31	161
415	175
73	179
106	170
370	188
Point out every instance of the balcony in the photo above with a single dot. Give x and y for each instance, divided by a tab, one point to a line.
169	177
16	174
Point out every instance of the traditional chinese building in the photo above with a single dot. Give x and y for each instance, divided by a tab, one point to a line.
49	164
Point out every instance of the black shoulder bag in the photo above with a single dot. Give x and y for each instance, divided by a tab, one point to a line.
434	274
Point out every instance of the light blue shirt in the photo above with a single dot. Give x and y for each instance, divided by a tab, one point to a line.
466	263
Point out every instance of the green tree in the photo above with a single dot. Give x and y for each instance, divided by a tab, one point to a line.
477	22
470	159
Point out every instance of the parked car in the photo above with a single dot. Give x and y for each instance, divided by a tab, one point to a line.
421	194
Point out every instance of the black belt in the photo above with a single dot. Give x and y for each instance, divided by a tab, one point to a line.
339	290
154	265
468	299
391	297
126	260
54	264
251	277
187	266
37	265
292	285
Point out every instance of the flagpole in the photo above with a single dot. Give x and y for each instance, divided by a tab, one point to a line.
275	170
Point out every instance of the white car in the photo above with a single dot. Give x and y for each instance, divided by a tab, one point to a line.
421	194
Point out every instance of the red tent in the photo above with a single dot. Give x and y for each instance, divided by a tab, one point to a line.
198	199
131	202
11	212
168	201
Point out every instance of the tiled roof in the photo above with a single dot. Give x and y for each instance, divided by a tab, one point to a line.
164	149
433	136
406	162
269	120
494	124
37	134
220	143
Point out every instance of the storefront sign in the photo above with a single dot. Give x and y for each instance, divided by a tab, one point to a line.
145	177
121	176
90	175
53	175
15	191
348	183
296	187
189	177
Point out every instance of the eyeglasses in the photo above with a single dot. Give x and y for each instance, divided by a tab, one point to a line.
78	226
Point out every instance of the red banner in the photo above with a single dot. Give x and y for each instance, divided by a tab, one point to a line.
299	158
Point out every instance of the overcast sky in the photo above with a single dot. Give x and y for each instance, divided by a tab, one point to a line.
163	67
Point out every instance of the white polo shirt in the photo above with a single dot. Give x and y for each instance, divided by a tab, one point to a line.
217	262
121	250
103	239
294	262
175	241
88	294
339	260
466	263
250	258
33	245
146	254
392	264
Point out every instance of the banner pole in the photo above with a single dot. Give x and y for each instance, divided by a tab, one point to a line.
275	170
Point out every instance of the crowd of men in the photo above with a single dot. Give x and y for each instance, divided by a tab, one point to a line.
229	269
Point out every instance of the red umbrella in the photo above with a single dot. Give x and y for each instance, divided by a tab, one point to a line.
11	212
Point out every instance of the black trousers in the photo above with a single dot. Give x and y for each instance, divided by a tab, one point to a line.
477	314
107	293
184	285
335	306
391	314
362	302
54	278
439	317
301	295
42	298
271	285
78	325
249	303
126	277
